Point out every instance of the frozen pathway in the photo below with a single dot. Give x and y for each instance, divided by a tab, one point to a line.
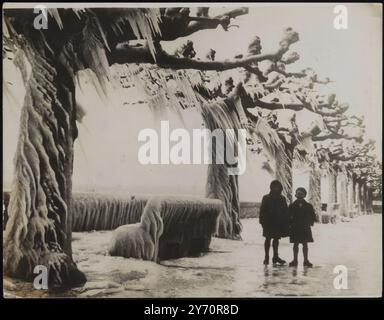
235	269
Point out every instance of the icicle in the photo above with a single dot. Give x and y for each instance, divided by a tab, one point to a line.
163	88
223	115
54	12
144	23
275	152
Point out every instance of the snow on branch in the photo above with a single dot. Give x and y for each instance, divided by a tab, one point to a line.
127	53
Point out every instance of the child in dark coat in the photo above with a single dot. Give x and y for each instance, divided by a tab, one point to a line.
273	218
302	217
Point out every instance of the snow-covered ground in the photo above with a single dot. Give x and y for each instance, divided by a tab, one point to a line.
234	268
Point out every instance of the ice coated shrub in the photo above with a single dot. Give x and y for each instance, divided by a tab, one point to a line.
189	222
140	240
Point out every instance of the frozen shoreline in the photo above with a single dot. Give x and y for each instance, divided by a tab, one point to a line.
232	268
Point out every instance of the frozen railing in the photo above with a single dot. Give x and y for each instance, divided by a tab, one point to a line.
189	222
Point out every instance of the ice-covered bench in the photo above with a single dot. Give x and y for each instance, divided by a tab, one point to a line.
189	222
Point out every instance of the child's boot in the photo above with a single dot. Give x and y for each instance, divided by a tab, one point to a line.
307	264
278	260
293	263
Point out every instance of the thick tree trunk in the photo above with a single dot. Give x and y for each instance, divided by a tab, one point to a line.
332	187
351	197
343	195
369	200
38	231
364	191
314	194
220	185
284	174
362	198
225	187
332	205
358	198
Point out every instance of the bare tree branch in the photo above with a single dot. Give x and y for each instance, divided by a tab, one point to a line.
178	25
124	53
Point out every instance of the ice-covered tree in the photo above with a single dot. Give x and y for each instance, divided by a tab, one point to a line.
39	227
104	39
38	231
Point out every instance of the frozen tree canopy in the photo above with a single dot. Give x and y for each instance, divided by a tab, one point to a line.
288	115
